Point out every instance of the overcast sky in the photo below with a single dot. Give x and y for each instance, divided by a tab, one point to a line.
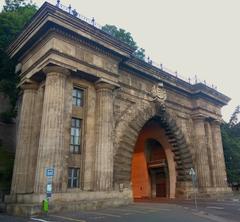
199	37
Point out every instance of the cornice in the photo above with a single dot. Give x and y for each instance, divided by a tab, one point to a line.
81	28
78	30
175	84
83	41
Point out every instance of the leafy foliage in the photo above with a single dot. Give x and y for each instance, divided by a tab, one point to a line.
15	14
12	5
125	37
231	146
12	20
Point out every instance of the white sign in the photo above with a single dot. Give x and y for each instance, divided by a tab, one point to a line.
192	172
49	188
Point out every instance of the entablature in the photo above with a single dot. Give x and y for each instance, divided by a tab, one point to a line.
52	19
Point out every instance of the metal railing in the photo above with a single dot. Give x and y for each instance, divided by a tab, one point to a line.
191	81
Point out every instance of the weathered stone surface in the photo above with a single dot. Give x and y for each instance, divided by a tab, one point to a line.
25	138
51	141
121	96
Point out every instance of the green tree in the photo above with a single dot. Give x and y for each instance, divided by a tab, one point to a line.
15	14
234	118
125	37
12	5
231	146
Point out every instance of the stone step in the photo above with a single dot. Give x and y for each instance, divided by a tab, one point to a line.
184	166
128	139
125	154
132	131
183	158
183	178
125	147
187	163
123	161
182	152
173	140
127	144
136	125
185	155
124	170
174	148
122	176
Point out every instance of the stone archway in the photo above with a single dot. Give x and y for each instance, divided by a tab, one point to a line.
127	133
153	171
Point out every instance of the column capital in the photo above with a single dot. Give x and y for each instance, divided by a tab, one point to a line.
106	84
199	117
56	69
29	85
217	121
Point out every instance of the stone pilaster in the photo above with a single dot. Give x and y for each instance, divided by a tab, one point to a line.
24	139
201	156
104	140
51	142
221	178
211	153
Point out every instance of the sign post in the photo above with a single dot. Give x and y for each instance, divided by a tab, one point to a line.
49	174
192	173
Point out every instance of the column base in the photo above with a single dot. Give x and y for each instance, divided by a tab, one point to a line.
185	190
214	192
31	204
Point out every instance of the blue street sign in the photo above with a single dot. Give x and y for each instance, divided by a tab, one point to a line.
50	172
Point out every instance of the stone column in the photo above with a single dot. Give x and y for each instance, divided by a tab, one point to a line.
24	139
201	156
221	178
104	140
211	154
51	142
35	139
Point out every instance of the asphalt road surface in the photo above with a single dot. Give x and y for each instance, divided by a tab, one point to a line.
173	211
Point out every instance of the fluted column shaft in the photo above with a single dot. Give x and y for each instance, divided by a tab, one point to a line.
51	142
35	140
201	156
221	178
104	140
24	140
211	154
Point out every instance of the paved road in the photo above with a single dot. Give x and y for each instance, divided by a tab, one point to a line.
174	211
226	209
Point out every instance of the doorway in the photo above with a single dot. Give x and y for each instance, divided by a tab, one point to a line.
150	174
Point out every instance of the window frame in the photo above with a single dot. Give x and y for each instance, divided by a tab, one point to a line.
76	98
72	178
75	148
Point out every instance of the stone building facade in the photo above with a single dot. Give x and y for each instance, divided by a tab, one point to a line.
112	127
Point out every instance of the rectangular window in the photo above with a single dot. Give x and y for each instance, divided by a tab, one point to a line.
75	143
73	177
77	97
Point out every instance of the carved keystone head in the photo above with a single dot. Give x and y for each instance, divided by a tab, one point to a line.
158	93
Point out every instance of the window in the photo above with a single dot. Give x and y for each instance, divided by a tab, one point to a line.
73	177
77	97
75	135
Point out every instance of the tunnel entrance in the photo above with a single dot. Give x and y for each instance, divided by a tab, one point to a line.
153	172
157	168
